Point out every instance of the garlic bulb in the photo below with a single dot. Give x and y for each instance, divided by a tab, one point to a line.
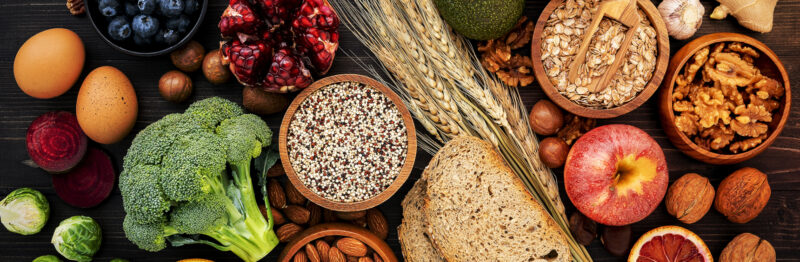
683	17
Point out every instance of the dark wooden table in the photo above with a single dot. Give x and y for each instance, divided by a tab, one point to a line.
19	19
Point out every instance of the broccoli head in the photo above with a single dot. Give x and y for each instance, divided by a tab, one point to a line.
188	175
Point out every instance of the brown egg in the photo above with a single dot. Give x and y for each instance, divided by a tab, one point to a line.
107	106
49	63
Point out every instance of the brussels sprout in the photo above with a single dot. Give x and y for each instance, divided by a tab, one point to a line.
77	238
47	258
24	211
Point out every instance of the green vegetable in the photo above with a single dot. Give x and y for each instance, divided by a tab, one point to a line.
118	260
481	19
24	211
188	175
47	258
77	238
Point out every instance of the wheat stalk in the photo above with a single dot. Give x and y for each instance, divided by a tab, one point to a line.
439	76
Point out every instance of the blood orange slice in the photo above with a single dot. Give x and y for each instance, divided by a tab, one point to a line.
670	244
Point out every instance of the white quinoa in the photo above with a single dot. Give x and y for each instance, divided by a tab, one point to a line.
347	142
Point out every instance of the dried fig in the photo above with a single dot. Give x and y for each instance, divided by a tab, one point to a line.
689	198
742	195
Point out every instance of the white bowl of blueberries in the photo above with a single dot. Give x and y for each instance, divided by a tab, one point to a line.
146	27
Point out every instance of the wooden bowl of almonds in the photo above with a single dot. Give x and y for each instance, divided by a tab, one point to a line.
557	37
725	99
337	242
347	142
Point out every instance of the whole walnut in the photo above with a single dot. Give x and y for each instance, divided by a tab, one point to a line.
747	247
742	195
690	197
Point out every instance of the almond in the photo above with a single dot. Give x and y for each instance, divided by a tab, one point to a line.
334	255
352	247
277	217
315	215
364	259
323	249
351	215
376	257
376	223
294	196
287	231
352	259
276	170
312	253
297	214
277	197
300	256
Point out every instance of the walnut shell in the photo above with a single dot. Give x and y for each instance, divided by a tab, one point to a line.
690	197
742	195
747	247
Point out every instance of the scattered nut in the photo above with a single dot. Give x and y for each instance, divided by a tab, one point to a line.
277	198
287	231
352	247
188	58
350	215
575	127
617	240
496	55
546	118
297	214
583	229
277	217
260	102
689	198
553	152
215	72
376	223
748	247
175	86
742	195
294	196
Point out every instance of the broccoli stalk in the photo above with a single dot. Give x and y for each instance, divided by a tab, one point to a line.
188	175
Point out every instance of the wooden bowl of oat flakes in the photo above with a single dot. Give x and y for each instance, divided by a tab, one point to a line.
734	106
347	142
557	37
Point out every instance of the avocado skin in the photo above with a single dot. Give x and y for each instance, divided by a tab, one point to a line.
481	19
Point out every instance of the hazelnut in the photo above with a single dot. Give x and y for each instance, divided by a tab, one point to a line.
189	57
261	102
214	70
748	247
175	86
583	229
689	198
553	152
546	118
742	195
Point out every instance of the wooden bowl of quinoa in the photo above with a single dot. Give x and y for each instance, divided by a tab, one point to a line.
347	142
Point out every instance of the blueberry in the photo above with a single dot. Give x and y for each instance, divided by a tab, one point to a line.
180	24
119	29
167	36
146	6
109	8
171	8
191	6
144	25
131	10
142	41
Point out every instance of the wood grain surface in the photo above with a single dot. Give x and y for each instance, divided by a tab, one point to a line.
779	223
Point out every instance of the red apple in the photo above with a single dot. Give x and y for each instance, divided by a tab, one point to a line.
616	174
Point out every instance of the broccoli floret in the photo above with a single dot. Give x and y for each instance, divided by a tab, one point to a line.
175	184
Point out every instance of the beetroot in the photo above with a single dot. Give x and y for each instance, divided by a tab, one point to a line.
56	142
89	183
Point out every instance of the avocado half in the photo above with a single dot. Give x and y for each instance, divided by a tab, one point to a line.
481	19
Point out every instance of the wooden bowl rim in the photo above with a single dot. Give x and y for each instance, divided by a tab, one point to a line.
662	60
679	60
337	229
401	178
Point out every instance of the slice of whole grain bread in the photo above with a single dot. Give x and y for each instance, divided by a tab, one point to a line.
478	210
413	239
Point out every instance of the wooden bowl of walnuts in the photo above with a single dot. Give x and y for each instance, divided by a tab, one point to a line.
337	242
725	99
556	38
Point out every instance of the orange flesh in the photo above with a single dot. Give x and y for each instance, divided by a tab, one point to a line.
669	248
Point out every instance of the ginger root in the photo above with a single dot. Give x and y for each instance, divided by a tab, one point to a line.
755	15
